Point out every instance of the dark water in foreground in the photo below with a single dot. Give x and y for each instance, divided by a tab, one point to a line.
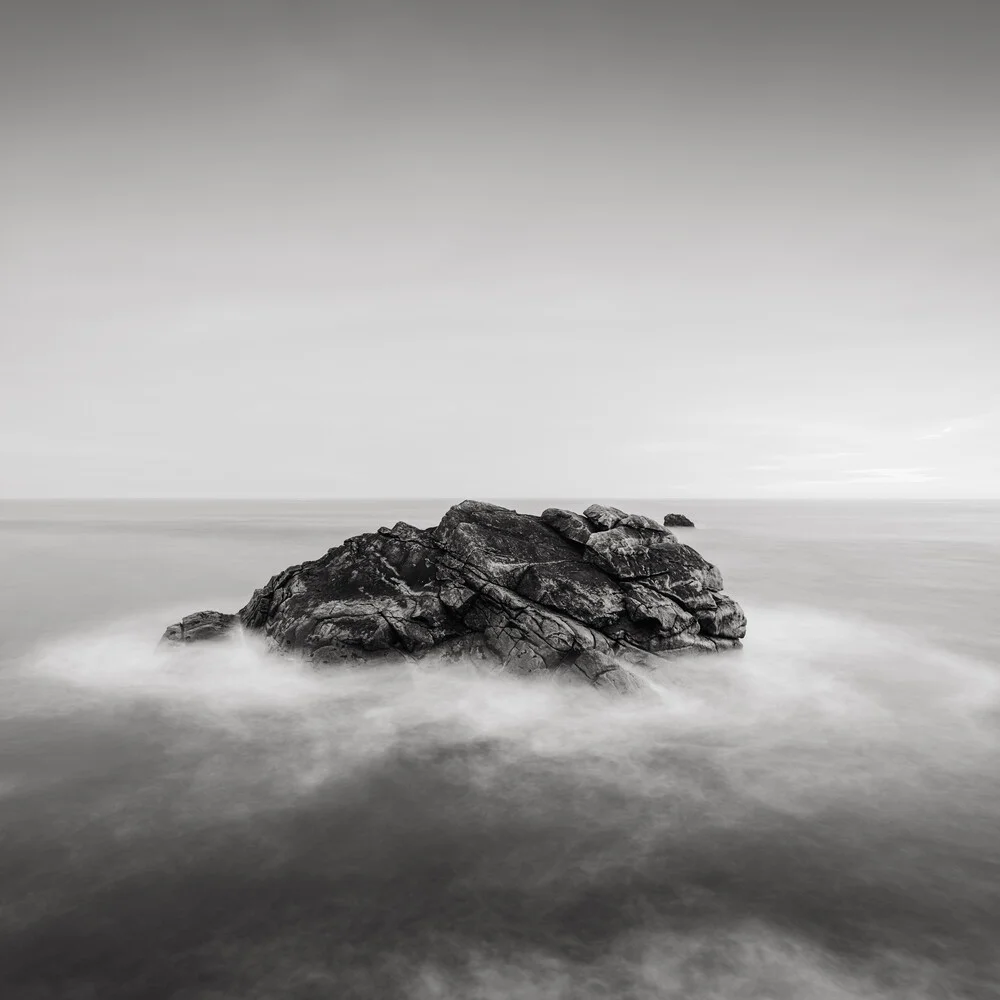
817	816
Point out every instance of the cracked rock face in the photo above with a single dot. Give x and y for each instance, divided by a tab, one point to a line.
593	596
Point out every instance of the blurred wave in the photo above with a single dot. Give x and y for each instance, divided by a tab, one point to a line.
814	816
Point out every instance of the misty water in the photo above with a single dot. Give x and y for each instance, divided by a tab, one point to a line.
815	816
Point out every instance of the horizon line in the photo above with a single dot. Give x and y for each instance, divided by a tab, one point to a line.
338	499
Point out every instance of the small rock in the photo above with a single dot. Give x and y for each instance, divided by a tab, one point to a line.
200	626
678	521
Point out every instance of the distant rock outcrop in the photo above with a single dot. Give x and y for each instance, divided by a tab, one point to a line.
678	521
587	594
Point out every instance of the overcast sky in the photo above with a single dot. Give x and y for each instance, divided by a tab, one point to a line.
708	248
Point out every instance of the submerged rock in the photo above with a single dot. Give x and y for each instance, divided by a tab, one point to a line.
678	521
586	595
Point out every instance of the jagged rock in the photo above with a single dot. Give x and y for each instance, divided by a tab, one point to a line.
647	605
603	518
600	597
639	522
575	588
201	625
569	525
626	553
499	542
723	619
678	521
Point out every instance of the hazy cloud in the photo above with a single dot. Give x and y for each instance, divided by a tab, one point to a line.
959	425
890	475
803	461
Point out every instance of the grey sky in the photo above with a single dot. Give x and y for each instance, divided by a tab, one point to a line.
423	248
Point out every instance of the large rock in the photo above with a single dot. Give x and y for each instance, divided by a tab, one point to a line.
594	596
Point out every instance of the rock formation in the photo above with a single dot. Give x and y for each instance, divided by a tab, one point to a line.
589	594
678	521
200	626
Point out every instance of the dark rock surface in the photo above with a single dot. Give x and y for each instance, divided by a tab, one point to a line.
591	595
678	521
201	625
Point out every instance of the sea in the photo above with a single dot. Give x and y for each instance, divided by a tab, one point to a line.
816	815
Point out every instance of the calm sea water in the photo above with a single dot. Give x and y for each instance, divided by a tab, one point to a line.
815	816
